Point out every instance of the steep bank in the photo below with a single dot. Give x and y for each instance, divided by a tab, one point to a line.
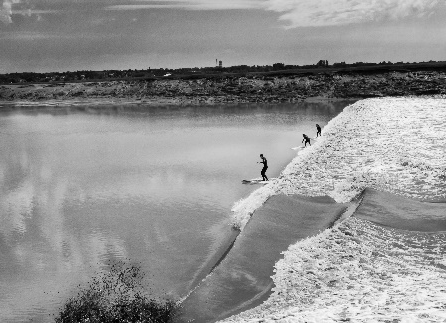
234	89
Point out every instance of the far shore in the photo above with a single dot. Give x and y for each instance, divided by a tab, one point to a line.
233	89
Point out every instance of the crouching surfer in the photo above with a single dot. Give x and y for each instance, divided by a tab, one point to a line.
306	139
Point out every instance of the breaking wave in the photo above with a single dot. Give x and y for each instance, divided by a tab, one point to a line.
392	144
386	262
360	271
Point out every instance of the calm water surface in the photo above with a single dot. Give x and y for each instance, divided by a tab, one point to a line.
83	187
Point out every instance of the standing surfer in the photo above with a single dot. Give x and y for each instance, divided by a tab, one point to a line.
319	130
265	167
306	139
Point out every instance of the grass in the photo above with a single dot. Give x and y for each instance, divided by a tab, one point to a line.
115	297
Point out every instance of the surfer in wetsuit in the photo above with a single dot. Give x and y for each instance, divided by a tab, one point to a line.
319	131
265	167
306	139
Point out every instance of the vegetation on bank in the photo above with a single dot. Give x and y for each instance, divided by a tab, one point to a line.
118	296
276	69
240	89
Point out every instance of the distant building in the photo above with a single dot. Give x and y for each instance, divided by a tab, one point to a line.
322	63
278	66
341	64
220	64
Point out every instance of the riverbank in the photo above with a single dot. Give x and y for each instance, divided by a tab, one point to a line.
361	269
238	89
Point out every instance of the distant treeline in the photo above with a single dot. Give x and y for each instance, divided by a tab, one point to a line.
147	74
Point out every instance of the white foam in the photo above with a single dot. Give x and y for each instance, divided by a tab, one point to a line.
392	144
358	271
243	209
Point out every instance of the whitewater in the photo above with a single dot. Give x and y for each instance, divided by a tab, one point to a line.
358	270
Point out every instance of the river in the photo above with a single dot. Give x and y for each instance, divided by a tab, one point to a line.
86	186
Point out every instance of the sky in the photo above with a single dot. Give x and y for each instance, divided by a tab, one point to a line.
70	35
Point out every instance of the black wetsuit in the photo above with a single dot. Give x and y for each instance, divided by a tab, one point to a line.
265	167
319	131
307	140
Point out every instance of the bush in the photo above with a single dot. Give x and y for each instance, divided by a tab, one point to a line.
116	297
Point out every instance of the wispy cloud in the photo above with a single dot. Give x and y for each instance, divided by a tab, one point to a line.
190	4
304	13
311	13
6	10
35	35
295	13
19	7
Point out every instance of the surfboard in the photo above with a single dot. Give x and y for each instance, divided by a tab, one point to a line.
302	147
256	181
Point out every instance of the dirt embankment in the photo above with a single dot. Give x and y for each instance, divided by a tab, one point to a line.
254	88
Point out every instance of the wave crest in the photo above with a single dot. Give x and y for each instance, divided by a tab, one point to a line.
391	144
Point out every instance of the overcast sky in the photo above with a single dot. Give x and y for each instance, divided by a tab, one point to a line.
67	35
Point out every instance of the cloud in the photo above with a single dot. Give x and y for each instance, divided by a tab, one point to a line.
18	7
304	13
35	35
311	13
6	10
296	13
191	4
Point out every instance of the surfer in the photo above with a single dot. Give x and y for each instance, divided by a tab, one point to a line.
306	139
265	167
319	131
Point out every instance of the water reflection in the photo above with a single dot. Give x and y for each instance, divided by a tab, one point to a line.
83	186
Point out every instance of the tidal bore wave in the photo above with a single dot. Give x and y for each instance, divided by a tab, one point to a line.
387	260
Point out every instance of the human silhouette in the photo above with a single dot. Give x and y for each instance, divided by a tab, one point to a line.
265	167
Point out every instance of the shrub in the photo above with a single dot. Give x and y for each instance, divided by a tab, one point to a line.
116	297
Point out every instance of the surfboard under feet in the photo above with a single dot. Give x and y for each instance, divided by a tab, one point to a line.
256	181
